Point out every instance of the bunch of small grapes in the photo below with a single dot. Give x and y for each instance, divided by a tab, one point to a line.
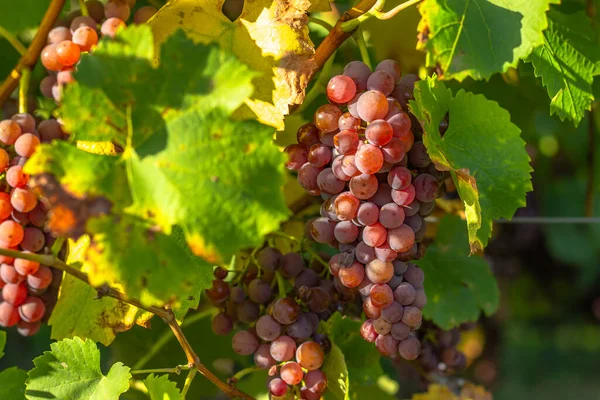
439	352
279	330
378	185
79	34
25	295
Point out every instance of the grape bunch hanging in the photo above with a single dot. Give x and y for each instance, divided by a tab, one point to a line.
363	156
280	329
28	289
79	34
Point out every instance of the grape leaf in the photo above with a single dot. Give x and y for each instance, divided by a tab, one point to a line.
478	38
79	311
161	388
567	62
457	286
12	384
2	343
337	374
71	370
469	391
271	36
17	16
482	149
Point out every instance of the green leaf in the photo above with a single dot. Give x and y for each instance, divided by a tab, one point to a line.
337	374
567	62
482	149
17	16
2	343
71	370
161	388
458	287
12	384
478	38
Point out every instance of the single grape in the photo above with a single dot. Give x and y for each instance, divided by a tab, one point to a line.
379	132
399	178
307	278
385	253
32	310
14	293
4	160
367	331
68	53
26	267
218	292
278	387
383	195
404	88
23	199
353	106
340	89
395	281
426	187
372	105
310	355
5	206
359	72
367	214
374	235
391	67
114	9
26	144
263	358
285	311
267	328
345	232
11	233
15	177
381	295
46	85
386	345
9	274
379	271
391	216
381	326
259	291
37	216
370	310
301	329
415	222
59	34
381	81
297	156
85	37
143	14
414	275
393	152
405	196
368	159
394	108
316	381
405	294
326	117
322	230
346	142
9	315
291	264
418	156
222	324
425	208
363	186
420	299
65	77
28	328
95	9
49	58
41	279
409	348
50	130
307	176
348	122
364	253
25	121
346	206
329	183
348	166
82	21
319	155
291	373
353	275
317	298
111	26
248	311
308	134
283	348
9	132
393	313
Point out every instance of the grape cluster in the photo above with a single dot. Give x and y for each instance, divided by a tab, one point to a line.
78	34
279	329
24	284
439	353
363	155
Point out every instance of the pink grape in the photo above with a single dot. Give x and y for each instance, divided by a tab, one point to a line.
329	183
374	235
348	122
32	310
345	232
383	195
379	132
278	387
382	327
381	81
9	315
363	186
400	123
420	299
307	176
372	105
9	274
297	156
392	313
386	345
346	207
111	26
405	196
327	137
308	134
379	271
391	215
368	159
327	116
409	348
321	230
346	142
418	155
310	355
14	293
359	72
400	331
414	275
316	381
370	310
349	165
364	253
353	275
391	67
385	253
353	106
412	317
368	213
267	328
262	357
381	295
405	294
426	187
319	155
341	89
41	279
368	332
336	167
393	151
399	178
415	222
401	239
283	348
394	108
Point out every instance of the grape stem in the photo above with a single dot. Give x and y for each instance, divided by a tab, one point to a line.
242	373
359	37
165	313
24	89
188	382
377	12
13	40
33	52
320	22
175	370
83	8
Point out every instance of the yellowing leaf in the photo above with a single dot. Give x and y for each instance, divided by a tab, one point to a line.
103	148
441	392
270	36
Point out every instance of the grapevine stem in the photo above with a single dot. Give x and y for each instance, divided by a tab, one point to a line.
242	373
280	284
83	8
175	370
320	22
359	37
24	89
13	40
166	314
350	26
188	382
33	52
394	11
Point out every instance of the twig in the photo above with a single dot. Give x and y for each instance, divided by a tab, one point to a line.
317	21
165	314
24	89
591	165
242	373
175	370
188	382
13	40
394	11
33	52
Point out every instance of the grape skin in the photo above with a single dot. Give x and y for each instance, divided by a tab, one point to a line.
341	89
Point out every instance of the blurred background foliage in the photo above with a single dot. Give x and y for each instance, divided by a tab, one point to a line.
543	343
